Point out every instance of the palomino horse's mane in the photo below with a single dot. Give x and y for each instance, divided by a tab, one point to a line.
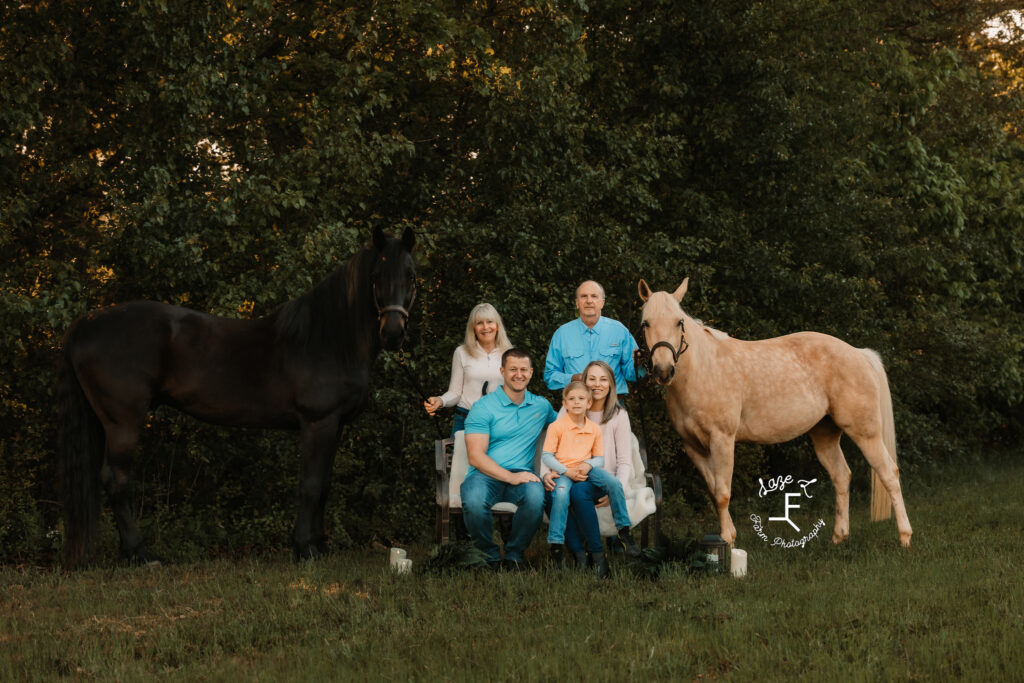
663	303
718	334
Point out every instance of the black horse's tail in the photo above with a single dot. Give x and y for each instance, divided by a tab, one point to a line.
81	456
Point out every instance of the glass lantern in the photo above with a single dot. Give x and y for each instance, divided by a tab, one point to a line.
716	550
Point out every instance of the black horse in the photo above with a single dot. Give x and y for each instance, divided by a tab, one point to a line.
305	366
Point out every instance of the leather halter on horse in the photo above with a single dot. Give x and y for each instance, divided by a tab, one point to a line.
384	310
646	353
401	310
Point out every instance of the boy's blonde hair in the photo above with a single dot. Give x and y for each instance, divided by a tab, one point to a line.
576	384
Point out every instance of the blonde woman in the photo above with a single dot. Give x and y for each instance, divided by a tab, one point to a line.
476	365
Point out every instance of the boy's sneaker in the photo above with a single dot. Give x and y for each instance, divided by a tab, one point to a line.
632	549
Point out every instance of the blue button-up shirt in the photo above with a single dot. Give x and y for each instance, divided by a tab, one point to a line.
574	345
513	429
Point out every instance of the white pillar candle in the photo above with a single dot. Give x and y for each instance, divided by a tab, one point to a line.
739	563
404	566
395	555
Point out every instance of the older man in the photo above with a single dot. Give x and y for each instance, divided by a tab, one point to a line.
502	429
587	338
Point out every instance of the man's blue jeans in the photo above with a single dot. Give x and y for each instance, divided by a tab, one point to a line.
480	492
583	522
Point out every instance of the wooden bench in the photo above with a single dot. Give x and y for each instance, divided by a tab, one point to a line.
643	497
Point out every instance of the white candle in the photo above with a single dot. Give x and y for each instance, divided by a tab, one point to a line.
739	563
395	555
404	566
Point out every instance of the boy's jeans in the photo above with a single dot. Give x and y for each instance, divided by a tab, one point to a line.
559	512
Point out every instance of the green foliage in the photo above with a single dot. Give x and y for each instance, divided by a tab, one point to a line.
684	553
809	165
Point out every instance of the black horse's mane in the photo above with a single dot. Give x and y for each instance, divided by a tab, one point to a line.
334	311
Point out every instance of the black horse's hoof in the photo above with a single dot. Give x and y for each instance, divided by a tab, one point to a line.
140	557
310	551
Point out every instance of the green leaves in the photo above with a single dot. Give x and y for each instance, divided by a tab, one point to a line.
809	165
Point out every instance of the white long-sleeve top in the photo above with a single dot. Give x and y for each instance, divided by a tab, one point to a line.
618	444
468	376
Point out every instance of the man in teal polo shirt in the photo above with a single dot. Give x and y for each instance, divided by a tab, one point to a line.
502	429
590	337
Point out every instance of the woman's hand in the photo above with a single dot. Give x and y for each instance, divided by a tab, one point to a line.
549	480
433	404
602	502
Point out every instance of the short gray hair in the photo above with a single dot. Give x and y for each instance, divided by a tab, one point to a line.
576	296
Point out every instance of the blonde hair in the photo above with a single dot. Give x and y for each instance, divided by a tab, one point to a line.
577	385
611	401
480	312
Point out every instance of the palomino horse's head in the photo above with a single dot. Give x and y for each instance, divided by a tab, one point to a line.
393	281
663	329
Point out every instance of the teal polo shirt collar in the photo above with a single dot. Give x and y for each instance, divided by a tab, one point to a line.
528	398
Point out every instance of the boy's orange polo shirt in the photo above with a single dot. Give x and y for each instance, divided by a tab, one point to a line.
572	444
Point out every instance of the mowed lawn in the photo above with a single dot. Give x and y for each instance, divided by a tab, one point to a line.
952	607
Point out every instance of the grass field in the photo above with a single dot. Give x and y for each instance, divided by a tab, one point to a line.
952	607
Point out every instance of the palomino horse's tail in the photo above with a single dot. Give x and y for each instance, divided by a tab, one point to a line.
80	453
881	502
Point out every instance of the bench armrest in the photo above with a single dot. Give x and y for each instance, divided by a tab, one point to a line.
652	478
654	481
443	449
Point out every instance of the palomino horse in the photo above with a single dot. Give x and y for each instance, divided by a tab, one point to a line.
722	390
305	367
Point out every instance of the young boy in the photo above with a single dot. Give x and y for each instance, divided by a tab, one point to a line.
574	441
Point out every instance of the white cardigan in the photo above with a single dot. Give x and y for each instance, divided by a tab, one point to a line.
468	376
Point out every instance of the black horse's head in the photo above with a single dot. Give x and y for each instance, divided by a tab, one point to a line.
393	279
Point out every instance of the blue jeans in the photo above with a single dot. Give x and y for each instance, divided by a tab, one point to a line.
582	526
480	492
557	502
459	423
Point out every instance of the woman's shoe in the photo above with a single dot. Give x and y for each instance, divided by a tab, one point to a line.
600	564
581	561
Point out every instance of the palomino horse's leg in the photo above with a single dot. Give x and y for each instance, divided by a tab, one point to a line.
716	466
121	441
319	441
826	436
877	456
